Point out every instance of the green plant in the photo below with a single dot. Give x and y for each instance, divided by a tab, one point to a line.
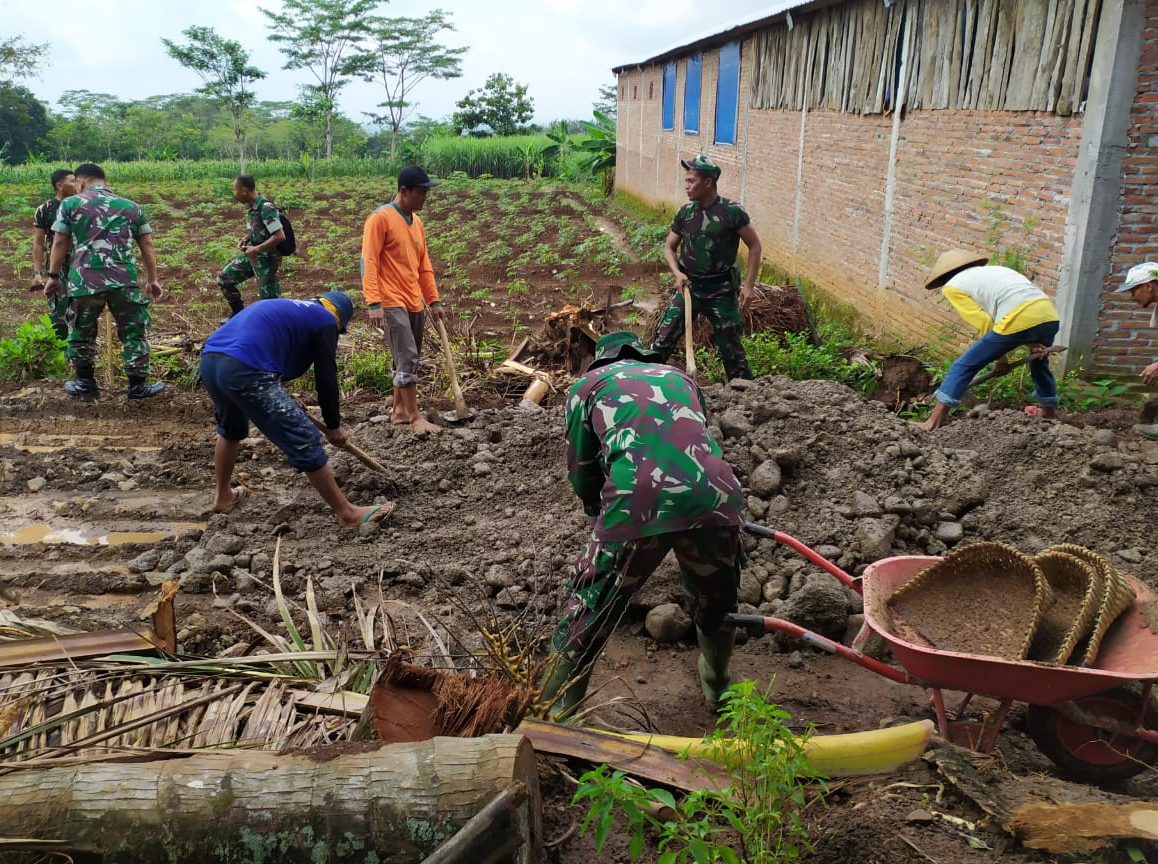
368	370
759	813
32	353
1007	252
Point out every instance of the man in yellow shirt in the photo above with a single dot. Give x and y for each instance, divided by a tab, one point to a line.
1008	311
1142	283
397	278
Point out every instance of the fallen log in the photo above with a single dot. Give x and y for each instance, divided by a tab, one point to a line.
1080	828
397	802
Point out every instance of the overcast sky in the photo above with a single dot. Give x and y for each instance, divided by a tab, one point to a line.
562	49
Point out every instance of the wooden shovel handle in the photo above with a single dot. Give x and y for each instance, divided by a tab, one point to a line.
689	347
352	448
459	399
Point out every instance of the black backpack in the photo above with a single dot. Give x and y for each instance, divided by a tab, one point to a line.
289	245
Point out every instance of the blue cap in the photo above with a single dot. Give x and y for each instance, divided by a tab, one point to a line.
343	304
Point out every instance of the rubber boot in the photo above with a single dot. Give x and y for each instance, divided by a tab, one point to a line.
564	673
1150	431
234	308
713	665
84	386
139	389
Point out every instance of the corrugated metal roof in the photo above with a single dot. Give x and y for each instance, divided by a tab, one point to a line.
723	33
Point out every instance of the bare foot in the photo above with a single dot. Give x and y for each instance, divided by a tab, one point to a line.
420	426
365	515
400	417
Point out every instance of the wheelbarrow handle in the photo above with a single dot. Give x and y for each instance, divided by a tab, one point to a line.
846	579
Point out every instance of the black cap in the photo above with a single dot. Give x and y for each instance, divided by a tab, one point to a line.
412	176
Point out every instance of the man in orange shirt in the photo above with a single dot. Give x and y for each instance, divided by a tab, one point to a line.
396	278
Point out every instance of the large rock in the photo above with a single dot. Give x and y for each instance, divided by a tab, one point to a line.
733	424
224	544
819	605
765	480
875	537
668	623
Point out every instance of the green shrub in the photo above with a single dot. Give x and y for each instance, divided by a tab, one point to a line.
32	353
759	813
369	370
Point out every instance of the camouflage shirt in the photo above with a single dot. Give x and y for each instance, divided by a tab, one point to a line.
44	218
709	238
639	454
103	226
264	221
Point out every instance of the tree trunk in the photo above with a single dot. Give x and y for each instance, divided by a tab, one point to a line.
393	140
329	134
397	802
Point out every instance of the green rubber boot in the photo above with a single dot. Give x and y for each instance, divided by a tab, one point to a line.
715	655
566	684
1150	431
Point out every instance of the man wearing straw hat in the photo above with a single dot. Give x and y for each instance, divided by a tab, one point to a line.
1142	283
1008	311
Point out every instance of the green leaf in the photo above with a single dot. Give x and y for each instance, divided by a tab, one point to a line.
635	847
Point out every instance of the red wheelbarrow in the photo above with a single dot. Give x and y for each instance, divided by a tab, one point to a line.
1097	724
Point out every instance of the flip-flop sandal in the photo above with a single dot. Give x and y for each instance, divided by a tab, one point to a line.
1033	410
378	513
239	494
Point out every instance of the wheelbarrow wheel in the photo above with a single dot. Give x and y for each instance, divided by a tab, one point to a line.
1087	753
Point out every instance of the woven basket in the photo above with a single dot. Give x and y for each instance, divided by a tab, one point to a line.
986	599
1078	588
1117	594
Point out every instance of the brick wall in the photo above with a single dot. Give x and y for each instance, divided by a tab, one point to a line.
1125	341
965	179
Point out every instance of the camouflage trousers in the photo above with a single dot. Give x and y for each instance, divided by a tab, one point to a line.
264	266
130	310
58	311
607	574
720	305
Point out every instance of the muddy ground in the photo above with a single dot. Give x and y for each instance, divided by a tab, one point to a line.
101	502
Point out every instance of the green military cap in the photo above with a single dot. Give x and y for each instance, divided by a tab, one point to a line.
702	164
613	346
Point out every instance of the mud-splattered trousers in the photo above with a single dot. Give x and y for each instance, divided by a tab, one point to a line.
718	301
608	573
264	265
130	309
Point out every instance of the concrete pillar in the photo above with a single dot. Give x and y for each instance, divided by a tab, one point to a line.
1097	188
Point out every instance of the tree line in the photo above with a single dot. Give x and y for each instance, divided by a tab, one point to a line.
335	41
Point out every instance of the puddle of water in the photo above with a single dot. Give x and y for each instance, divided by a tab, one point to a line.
40	532
68	442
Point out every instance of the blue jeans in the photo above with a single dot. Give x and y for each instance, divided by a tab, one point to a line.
242	394
992	346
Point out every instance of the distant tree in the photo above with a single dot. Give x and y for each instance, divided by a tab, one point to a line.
20	59
500	105
403	55
608	101
323	36
97	121
224	67
23	122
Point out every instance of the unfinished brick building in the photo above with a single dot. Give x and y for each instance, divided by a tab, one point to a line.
866	136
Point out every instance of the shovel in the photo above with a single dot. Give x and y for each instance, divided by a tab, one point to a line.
461	412
689	348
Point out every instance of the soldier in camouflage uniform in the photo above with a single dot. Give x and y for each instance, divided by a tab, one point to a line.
701	253
98	227
645	467
63	184
259	256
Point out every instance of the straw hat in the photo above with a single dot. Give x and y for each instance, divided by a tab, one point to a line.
949	263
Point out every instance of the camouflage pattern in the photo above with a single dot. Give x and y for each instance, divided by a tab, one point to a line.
607	574
640	456
44	218
130	309
620	345
264	266
103	227
722	309
709	239
263	221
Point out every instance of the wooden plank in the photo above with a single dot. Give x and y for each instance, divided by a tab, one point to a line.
1066	104
634	757
982	52
1029	20
1055	16
1093	13
1000	60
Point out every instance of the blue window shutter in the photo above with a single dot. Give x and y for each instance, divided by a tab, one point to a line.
669	71
692	95
728	93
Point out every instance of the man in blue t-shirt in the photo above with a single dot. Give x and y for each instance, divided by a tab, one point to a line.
243	365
